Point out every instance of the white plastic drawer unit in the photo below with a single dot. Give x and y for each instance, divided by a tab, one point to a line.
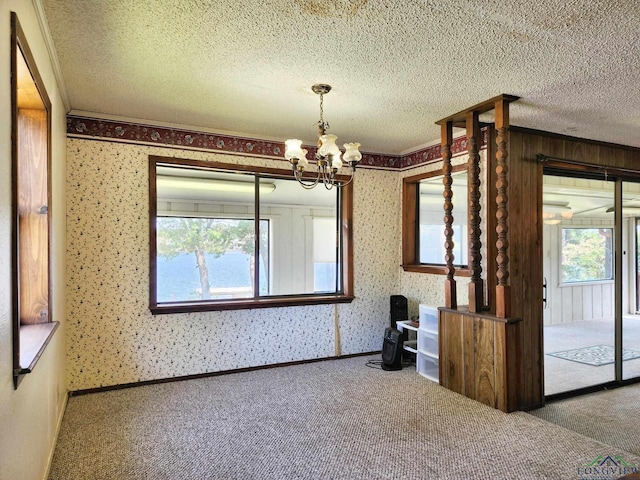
428	367
428	342
428	318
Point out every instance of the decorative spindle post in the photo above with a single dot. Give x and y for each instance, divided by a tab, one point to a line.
450	283
476	290
503	289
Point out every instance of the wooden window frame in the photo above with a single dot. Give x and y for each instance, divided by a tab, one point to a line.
346	296
32	323
410	225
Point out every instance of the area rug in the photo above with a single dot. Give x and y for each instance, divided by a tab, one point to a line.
596	355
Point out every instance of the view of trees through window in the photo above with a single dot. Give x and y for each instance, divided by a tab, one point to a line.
190	248
587	254
207	253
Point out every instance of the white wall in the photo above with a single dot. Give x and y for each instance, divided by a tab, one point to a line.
29	416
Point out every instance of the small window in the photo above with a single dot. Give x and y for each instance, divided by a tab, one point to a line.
423	226
229	236
33	326
431	237
587	254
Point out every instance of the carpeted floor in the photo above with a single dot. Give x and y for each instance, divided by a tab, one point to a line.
609	416
327	420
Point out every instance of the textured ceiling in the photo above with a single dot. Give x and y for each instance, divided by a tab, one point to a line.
396	67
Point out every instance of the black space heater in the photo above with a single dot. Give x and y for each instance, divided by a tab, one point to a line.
399	309
392	349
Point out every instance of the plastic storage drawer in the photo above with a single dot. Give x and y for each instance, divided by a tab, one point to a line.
428	367
428	318
428	342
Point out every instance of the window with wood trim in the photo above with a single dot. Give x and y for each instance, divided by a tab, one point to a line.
423	225
31	207
228	236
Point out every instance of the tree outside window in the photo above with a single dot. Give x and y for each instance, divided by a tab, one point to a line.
587	254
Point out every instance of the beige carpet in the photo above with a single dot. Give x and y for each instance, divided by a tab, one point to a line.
611	416
327	420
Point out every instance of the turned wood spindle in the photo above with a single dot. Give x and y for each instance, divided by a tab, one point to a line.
503	289
450	283
476	290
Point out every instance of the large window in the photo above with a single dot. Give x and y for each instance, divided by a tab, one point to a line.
228	236
423	235
587	254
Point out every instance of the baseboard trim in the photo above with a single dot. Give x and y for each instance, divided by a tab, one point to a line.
55	438
121	386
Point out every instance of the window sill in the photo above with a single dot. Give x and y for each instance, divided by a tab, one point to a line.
436	270
248	303
588	283
33	341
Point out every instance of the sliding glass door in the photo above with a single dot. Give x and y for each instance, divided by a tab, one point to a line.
591	245
630	329
579	272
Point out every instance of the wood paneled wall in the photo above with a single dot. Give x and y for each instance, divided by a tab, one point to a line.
33	214
525	205
479	357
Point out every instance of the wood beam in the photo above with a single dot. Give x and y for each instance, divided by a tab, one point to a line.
481	107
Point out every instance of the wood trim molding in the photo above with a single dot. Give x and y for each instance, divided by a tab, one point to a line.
409	225
121	386
345	203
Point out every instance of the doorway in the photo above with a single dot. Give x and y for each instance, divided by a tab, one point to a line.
590	265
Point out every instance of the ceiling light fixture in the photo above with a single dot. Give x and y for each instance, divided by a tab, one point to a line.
328	158
210	185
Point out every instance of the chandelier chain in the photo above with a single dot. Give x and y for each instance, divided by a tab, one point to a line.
322	125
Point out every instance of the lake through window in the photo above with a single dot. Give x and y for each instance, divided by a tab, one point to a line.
225	238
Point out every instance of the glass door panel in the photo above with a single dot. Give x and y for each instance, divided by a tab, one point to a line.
630	330
578	264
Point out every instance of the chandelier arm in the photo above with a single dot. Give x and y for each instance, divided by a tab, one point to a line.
347	182
298	176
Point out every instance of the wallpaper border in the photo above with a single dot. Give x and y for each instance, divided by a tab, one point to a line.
128	132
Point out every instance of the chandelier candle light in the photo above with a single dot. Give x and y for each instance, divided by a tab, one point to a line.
329	159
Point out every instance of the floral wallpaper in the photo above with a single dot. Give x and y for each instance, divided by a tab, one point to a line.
112	337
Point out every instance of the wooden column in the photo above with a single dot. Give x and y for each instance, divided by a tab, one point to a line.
503	288
450	291
476	290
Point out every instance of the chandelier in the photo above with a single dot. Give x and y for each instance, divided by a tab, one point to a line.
328	158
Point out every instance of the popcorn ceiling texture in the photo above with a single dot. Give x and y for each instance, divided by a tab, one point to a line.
112	337
396	66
